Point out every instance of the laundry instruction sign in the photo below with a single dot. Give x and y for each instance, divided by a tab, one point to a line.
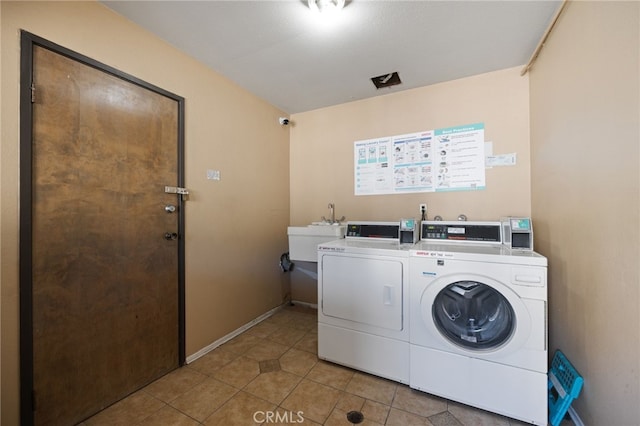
449	159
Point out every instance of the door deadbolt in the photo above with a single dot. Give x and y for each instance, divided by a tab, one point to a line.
170	208
170	236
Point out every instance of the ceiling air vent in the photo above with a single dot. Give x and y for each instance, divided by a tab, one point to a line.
386	80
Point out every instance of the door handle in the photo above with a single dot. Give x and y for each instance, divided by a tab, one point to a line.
169	208
170	236
387	295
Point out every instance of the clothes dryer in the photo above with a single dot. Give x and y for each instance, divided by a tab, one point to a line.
362	300
478	326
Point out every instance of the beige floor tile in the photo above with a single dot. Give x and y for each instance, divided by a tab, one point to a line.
269	365
302	321
307	422
242	343
349	402
287	417
375	411
213	361
564	422
286	335
309	343
241	410
298	362
281	318
338	417
130	410
417	402
206	397
314	400
305	322
266	349
371	387
403	418
209	388
274	386
282	416
445	419
262	329
169	416
238	372
473	416
331	374
174	384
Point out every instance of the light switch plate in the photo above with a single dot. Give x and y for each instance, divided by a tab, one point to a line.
213	174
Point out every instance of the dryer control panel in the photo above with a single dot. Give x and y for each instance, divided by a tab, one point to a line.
480	232
376	230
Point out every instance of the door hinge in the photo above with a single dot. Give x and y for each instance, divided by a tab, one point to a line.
33	93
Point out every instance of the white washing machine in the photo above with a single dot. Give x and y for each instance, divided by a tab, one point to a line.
362	299
478	320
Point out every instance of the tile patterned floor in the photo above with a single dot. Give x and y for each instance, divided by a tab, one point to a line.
270	374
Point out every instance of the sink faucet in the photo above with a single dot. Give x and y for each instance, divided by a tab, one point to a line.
332	216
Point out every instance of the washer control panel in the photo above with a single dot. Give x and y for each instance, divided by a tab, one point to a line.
480	232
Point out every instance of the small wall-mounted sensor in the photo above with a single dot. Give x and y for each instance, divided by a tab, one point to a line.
284	121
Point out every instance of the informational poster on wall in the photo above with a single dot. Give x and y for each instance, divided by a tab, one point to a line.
450	159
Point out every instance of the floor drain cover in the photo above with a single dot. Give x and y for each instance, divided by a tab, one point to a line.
355	417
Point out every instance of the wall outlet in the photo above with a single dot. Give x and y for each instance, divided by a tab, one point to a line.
422	207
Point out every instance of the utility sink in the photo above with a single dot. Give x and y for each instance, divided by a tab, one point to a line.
304	240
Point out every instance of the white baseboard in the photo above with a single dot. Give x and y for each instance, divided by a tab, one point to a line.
308	305
226	338
574	416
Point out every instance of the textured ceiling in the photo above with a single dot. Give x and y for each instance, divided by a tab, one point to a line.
281	52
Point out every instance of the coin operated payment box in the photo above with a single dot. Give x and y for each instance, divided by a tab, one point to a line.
408	231
518	232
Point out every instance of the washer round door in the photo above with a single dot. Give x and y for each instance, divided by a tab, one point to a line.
475	314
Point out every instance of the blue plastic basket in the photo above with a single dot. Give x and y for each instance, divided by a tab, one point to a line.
564	386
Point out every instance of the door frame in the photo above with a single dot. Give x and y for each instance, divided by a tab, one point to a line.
27	42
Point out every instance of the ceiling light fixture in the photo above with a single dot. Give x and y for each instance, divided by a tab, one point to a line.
325	6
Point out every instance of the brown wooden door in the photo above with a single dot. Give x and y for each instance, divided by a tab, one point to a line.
105	281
